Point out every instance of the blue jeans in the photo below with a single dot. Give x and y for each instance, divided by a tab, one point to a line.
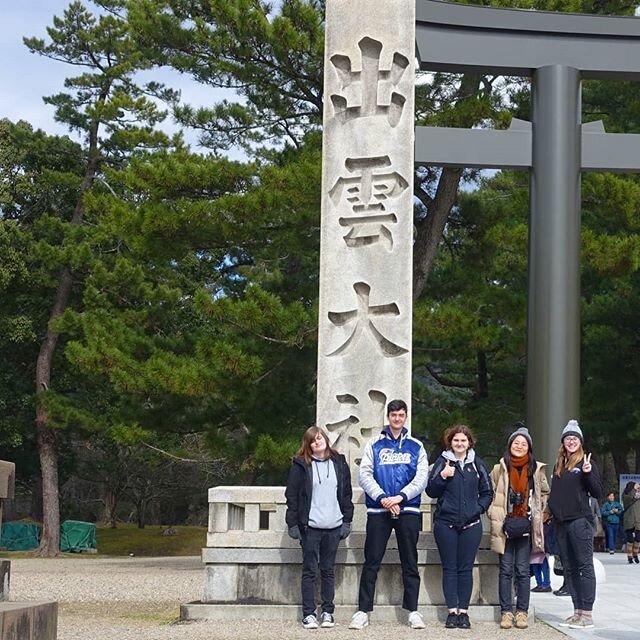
458	548
541	573
514	568
379	527
319	546
575	542
611	533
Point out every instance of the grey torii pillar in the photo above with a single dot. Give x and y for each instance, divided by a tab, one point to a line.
557	51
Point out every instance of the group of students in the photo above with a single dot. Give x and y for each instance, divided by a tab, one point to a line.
393	474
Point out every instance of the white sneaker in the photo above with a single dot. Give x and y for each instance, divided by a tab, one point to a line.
310	622
416	621
360	620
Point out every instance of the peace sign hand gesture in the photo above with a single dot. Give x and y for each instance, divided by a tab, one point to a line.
586	465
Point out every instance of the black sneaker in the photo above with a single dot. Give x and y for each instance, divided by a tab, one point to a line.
452	621
635	559
463	621
561	592
326	620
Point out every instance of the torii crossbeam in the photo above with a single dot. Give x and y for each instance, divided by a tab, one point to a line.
557	51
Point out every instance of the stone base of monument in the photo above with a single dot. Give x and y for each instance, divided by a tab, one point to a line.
28	620
252	568
5	578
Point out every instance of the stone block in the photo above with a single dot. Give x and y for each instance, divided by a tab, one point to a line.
220	583
28	621
5	579
7	479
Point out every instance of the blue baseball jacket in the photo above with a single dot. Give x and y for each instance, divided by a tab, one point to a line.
393	467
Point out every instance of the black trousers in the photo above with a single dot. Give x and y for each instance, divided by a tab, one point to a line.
575	543
319	546
514	563
379	527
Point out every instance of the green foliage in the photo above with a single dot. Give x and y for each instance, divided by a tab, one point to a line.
272	56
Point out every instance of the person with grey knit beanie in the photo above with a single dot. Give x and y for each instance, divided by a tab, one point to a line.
516	513
575	479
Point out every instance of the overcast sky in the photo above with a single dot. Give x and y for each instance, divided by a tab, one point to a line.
26	77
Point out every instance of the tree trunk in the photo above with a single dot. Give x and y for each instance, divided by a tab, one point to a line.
46	437
110	501
482	376
141	509
620	463
430	230
48	450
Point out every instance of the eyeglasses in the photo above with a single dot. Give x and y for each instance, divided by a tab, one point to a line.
571	439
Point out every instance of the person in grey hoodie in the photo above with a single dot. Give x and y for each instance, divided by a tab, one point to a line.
319	514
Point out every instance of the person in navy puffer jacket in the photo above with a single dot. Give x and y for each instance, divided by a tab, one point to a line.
460	481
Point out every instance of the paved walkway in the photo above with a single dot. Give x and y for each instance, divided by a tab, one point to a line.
616	612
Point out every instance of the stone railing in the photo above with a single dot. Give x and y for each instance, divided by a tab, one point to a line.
250	559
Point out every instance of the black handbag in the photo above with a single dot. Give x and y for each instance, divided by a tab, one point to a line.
516	526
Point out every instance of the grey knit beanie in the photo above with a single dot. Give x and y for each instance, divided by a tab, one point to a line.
521	431
572	429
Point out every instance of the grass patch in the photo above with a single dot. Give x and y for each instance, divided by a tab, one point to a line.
127	539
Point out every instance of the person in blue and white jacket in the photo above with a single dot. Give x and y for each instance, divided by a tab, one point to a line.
393	474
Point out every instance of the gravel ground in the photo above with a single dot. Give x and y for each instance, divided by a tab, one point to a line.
139	599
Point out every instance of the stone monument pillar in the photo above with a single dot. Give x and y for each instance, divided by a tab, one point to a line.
364	334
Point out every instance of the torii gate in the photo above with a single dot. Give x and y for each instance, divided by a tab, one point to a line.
557	51
364	344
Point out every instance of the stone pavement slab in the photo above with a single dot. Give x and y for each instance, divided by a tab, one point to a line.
616	612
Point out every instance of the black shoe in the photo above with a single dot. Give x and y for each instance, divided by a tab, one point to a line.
629	560
463	621
561	592
635	559
452	621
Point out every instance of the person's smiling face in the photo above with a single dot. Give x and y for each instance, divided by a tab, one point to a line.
571	444
397	420
319	446
519	447
459	444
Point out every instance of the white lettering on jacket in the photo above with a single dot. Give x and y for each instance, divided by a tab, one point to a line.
389	456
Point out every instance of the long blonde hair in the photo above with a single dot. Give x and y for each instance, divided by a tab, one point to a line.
565	462
305	447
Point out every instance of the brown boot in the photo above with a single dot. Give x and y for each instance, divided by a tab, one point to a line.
506	622
522	619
